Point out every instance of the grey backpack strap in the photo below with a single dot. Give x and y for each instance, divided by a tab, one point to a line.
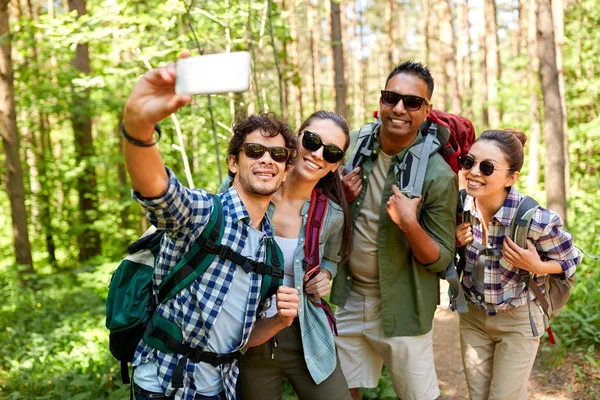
363	147
421	151
519	228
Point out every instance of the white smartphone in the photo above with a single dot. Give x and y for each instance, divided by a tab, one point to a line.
213	73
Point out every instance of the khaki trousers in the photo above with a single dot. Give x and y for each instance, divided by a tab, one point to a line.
498	351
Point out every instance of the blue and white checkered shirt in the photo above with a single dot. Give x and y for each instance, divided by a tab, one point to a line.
184	213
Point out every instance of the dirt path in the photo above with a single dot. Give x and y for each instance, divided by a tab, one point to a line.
555	383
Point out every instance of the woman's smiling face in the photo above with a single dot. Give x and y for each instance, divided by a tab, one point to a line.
479	185
311	164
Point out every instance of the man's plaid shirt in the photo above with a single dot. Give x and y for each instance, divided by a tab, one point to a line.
504	288
184	213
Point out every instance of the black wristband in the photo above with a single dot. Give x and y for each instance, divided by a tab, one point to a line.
137	142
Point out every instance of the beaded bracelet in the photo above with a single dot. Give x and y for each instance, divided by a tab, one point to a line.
137	142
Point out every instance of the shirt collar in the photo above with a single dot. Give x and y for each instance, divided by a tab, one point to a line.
238	212
505	214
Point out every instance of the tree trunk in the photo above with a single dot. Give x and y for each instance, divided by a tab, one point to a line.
314	55
338	59
534	136
41	165
465	57
391	22
449	56
492	62
427	33
553	117
297	101
558	16
10	140
89	240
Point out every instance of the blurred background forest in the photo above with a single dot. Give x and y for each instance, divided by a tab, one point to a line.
66	67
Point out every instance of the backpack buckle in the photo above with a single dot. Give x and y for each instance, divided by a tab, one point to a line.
210	246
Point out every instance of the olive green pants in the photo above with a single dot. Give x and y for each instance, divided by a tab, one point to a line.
262	369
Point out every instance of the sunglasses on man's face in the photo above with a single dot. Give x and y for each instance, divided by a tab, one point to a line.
487	168
410	102
312	142
256	151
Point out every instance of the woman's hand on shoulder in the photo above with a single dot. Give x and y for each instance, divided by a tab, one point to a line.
527	259
464	234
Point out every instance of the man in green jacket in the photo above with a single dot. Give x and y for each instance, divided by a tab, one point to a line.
388	290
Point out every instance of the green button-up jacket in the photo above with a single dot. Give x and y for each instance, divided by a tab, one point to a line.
409	289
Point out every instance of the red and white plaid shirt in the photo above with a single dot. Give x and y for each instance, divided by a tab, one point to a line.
503	286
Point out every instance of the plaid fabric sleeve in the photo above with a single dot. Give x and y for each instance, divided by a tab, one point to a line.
553	242
177	206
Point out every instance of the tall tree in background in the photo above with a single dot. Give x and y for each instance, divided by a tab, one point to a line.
535	133
81	119
492	63
553	117
448	48
338	59
10	140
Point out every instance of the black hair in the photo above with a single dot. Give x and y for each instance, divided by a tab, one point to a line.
510	142
414	68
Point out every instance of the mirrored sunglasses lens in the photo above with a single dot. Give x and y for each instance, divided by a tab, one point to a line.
332	154
486	168
279	154
412	103
254	150
311	141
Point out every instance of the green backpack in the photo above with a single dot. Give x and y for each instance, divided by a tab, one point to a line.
130	304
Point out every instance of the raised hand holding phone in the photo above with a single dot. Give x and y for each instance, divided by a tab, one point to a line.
213	74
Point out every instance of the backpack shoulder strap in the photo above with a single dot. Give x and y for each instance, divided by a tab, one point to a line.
271	282
519	226
363	147
411	177
197	259
314	223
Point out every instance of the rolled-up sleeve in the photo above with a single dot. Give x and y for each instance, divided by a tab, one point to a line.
438	218
178	207
554	243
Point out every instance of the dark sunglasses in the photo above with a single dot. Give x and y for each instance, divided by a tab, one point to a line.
487	168
410	102
312	142
256	151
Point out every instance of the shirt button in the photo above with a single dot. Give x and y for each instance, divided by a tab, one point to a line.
302	239
348	277
358	203
243	237
231	269
298	288
218	302
297	260
365	177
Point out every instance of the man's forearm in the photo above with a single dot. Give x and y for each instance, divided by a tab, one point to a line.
265	329
424	248
144	164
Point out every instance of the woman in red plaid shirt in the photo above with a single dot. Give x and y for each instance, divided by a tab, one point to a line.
498	347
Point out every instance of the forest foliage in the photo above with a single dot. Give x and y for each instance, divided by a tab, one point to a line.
51	322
